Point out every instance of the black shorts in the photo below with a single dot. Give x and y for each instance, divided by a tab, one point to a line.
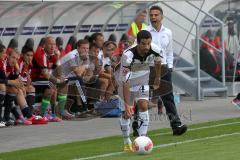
41	84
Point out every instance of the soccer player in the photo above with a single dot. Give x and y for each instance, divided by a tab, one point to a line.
25	67
44	62
77	68
107	70
26	96
15	93
134	77
3	82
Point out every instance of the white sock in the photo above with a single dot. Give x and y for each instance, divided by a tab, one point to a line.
125	127
143	122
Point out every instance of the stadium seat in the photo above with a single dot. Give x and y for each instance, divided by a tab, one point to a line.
29	43
71	44
13	44
112	37
40	45
59	43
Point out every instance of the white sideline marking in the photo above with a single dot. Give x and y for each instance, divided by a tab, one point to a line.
164	145
198	139
195	129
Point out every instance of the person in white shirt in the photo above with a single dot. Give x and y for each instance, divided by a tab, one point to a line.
133	84
107	71
77	67
162	37
98	39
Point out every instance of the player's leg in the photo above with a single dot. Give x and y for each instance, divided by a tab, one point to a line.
45	100
125	126
21	101
143	117
53	100
62	99
8	104
30	96
103	87
109	91
111	83
2	97
16	94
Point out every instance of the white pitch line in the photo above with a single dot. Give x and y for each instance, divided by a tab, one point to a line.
164	145
195	129
196	140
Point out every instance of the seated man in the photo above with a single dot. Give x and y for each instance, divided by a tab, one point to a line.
26	96
77	67
106	72
44	61
15	93
4	81
25	67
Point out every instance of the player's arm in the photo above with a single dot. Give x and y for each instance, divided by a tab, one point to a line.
45	73
157	65
6	81
50	77
104	74
79	70
17	68
41	64
126	97
125	73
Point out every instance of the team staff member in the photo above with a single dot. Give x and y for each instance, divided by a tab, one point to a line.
162	37
138	24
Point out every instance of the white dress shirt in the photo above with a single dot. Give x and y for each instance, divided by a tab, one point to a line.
163	39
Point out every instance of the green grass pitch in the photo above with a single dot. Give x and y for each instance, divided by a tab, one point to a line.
219	140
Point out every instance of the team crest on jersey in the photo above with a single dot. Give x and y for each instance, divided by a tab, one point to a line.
151	58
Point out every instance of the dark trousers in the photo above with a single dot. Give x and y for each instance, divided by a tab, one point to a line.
168	101
165	91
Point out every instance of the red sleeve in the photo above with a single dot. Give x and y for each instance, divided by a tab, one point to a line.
39	58
39	48
68	48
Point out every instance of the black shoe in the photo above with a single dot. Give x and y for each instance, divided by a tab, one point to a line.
179	130
134	127
10	123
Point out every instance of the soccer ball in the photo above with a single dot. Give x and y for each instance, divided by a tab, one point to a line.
143	145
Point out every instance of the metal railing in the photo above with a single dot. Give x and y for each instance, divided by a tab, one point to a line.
198	39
